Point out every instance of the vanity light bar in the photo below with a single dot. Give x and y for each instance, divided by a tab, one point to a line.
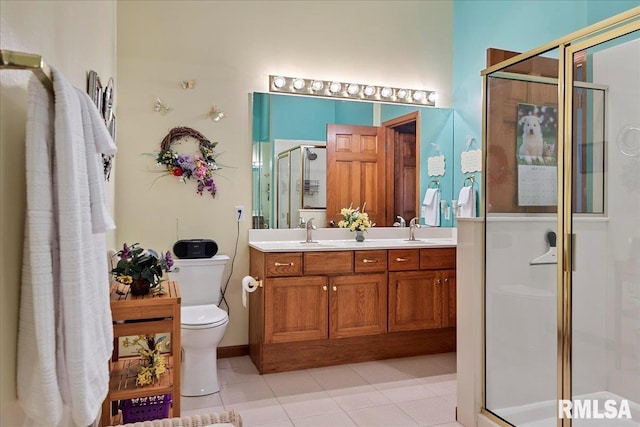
357	91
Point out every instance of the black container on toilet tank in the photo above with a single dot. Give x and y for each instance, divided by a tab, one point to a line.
195	248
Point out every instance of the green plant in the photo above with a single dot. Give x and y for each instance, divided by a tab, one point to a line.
136	263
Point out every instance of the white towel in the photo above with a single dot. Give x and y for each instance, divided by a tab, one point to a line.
466	203
97	141
37	382
431	207
86	337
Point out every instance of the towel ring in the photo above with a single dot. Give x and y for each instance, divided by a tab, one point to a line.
471	179
436	182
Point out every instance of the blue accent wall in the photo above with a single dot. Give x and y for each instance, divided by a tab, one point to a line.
510	25
300	117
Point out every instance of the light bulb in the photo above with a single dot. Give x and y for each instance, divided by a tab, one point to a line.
369	90
279	82
298	84
386	92
353	89
418	95
335	87
432	97
317	85
402	93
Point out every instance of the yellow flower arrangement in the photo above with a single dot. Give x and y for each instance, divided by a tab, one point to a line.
355	220
152	363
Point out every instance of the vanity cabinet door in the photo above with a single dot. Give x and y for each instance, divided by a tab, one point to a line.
358	305
295	309
415	300
448	298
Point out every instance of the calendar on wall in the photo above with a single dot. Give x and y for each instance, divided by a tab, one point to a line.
536	155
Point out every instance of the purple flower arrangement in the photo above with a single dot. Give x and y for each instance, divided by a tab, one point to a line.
201	166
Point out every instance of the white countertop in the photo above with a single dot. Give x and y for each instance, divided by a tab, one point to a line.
293	240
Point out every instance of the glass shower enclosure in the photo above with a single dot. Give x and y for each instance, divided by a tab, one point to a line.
562	231
301	185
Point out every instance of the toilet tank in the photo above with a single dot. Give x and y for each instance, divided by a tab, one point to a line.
199	279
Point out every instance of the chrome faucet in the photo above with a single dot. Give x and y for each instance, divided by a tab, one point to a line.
310	228
402	222
413	224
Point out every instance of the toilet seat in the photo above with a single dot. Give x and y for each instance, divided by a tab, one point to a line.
202	316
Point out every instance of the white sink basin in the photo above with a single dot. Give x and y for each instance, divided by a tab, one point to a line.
348	244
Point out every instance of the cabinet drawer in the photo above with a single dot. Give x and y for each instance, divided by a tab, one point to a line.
404	259
370	261
328	262
283	264
436	259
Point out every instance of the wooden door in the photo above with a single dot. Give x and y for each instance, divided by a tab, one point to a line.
358	305
405	175
415	301
295	309
356	170
448	285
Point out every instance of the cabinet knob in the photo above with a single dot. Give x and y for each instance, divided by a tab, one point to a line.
446	279
368	261
438	281
401	259
335	288
324	287
282	264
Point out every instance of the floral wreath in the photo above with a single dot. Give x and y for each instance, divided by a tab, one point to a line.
200	166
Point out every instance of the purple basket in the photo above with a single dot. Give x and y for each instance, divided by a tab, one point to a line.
145	408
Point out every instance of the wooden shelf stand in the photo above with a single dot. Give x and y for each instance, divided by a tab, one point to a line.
143	315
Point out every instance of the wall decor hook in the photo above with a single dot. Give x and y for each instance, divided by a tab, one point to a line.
161	107
216	114
188	84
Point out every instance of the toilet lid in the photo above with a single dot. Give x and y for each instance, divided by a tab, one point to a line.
199	315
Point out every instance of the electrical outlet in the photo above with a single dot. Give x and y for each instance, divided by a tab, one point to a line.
239	213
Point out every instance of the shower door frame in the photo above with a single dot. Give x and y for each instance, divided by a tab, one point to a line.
609	29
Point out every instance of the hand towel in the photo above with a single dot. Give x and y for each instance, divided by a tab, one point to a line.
466	203
86	337
37	381
97	142
431	207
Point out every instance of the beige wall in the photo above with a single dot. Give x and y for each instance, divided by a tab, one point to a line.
74	37
229	49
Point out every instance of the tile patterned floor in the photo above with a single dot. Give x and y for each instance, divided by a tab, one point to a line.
412	392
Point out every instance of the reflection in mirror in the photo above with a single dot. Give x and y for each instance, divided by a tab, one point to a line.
289	136
301	186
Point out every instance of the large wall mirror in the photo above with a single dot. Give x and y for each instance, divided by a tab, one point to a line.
312	156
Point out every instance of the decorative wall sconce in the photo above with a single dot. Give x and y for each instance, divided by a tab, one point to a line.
188	84
357	91
161	107
216	114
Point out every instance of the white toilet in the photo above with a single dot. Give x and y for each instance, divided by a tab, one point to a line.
203	323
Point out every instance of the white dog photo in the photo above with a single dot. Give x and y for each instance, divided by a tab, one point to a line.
532	147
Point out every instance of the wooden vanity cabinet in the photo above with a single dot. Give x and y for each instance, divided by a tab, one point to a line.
425	297
321	308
